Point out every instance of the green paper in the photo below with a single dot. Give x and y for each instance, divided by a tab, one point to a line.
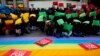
68	27
74	15
96	23
83	15
43	13
93	13
60	21
59	14
75	20
51	17
86	22
40	18
68	16
62	14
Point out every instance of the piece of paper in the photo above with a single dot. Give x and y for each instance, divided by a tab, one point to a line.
34	15
82	14
74	15
68	16
61	5
76	20
2	16
60	21
21	15
18	21
13	16
89	46
40	18
43	42
51	17
14	52
59	14
68	27
26	17
8	21
86	22
96	22
42	13
55	3
93	13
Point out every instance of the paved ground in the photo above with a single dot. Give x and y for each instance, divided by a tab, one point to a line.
60	46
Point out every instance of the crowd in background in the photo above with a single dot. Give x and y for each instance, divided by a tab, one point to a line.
54	21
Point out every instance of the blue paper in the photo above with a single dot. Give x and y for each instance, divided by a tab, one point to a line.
5	11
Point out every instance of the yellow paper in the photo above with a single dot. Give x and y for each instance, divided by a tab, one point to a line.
13	16
8	21
32	15
21	15
20	5
18	21
2	16
26	17
26	21
27	14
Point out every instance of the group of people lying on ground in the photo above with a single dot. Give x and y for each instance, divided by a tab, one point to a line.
53	21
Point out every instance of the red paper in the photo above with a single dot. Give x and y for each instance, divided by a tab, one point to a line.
89	46
73	6
98	11
61	5
11	5
14	52
68	11
91	6
84	6
55	3
43	42
87	12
